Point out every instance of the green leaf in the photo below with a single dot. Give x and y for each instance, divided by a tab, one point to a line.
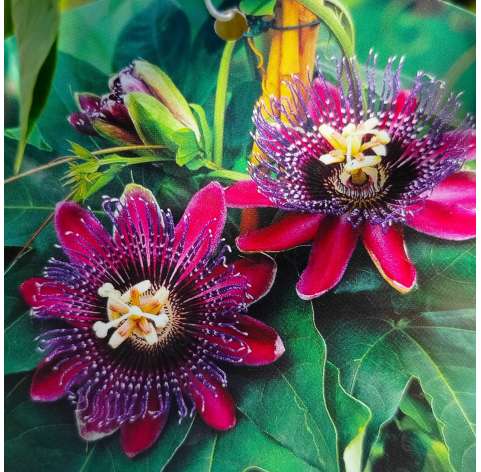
257	7
363	309
384	354
82	152
20	345
418	410
48	432
160	34
206	132
436	37
153	121
35	138
105	178
199	83
8	22
238	126
351	418
98	46
166	91
35	25
72	75
244	448
27	204
286	400
414	449
188	151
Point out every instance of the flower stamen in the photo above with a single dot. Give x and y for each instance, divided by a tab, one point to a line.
137	311
350	147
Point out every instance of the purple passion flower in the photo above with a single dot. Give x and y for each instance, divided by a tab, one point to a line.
149	312
359	160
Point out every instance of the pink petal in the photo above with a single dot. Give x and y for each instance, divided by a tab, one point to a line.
245	194
215	405
404	105
254	341
51	380
52	299
450	211
139	211
203	221
81	234
140	435
471	144
91	431
32	289
326	104
464	138
260	273
331	251
290	231
138	224
389	254
457	143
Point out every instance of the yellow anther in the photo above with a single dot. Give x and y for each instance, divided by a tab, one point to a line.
137	311
349	147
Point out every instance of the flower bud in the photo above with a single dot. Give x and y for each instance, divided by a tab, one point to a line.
162	87
108	115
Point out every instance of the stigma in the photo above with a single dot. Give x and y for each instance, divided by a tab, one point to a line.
359	148
140	312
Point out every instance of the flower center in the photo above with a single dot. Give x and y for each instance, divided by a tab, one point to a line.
139	311
359	147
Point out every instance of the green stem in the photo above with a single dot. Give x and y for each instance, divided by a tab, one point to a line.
220	101
229	174
330	19
130	147
65	159
459	67
345	39
132	160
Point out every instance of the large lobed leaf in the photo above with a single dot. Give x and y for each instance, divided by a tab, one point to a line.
386	348
286	401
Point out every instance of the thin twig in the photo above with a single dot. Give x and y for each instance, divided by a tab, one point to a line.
55	162
64	159
35	234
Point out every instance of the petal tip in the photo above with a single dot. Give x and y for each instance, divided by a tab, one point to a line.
402	289
279	348
239	242
309	296
29	290
228	425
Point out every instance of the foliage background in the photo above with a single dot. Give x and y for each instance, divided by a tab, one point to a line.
370	378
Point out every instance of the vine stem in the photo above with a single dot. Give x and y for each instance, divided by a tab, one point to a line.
220	101
64	159
345	40
329	18
459	67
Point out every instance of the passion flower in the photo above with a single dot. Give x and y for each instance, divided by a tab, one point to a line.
349	160
149	312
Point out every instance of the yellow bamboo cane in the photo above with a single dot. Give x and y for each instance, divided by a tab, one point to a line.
292	52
